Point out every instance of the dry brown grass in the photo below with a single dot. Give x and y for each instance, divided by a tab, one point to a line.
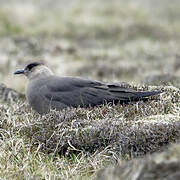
103	40
160	166
85	139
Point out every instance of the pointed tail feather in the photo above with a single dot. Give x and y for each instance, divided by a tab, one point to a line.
144	95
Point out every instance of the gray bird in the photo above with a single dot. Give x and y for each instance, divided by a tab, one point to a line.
46	91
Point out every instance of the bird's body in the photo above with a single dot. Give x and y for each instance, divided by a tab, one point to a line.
46	91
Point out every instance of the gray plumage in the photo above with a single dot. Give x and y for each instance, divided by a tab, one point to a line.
45	91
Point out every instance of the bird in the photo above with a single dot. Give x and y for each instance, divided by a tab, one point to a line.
46	91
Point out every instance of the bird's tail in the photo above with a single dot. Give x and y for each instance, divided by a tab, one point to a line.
147	94
129	95
143	95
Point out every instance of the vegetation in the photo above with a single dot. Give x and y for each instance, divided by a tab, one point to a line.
111	41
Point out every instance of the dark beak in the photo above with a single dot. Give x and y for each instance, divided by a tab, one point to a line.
21	71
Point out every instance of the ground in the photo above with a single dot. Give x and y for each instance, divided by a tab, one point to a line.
136	42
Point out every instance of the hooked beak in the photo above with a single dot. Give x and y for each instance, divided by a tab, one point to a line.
21	71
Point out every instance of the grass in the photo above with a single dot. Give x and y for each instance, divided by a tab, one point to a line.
167	164
81	21
8	26
111	41
76	143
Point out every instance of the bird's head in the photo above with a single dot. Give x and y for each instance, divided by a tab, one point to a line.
34	70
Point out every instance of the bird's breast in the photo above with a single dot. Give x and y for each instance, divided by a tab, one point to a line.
35	98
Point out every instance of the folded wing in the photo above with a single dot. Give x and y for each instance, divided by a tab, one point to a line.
76	92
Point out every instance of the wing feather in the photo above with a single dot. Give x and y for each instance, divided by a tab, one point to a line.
81	92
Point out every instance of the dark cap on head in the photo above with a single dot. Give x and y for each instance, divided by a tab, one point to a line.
32	65
29	67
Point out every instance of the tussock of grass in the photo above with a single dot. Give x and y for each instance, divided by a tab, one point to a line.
91	129
165	79
85	139
77	141
9	95
158	166
115	41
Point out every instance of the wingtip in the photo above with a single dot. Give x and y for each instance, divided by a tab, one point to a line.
149	93
154	93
